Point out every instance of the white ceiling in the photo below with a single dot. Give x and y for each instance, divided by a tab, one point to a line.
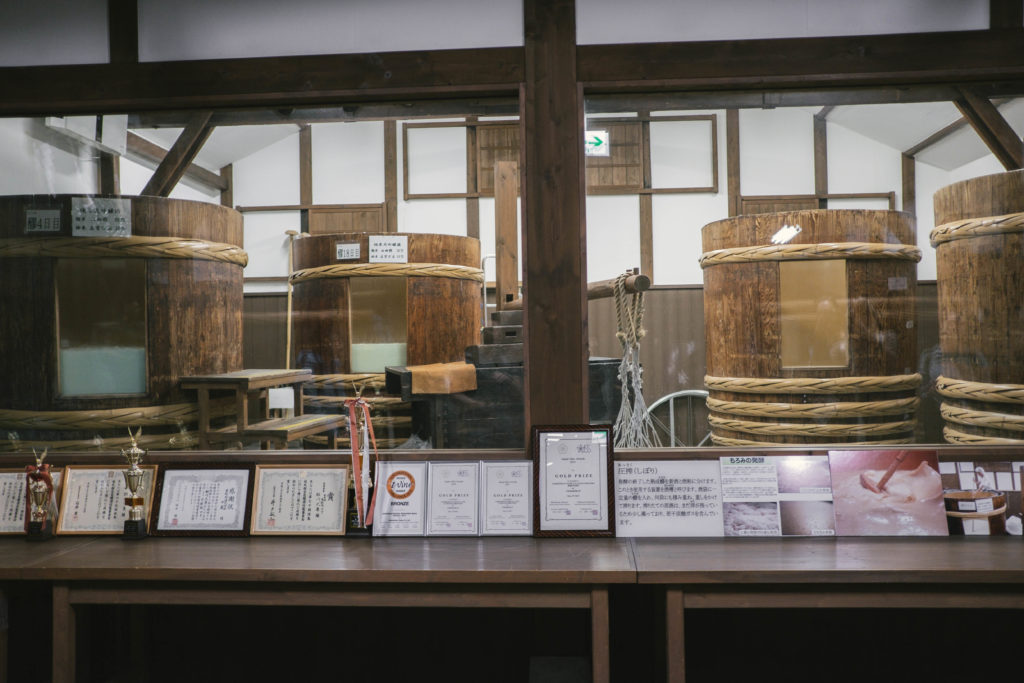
226	144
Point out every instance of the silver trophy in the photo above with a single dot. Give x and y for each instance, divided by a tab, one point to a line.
135	525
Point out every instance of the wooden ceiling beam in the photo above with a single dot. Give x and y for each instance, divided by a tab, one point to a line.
179	156
123	31
1006	14
992	128
141	148
840	61
261	82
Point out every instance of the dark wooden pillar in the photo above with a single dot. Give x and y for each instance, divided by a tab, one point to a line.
554	233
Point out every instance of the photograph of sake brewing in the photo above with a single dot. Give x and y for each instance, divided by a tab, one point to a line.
631	326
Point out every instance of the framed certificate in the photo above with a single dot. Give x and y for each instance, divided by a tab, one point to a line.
14	500
454	493
573	481
401	499
203	500
93	499
300	500
506	503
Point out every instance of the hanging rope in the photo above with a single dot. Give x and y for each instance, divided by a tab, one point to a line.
633	426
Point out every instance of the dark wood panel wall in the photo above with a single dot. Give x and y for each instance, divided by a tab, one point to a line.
552	72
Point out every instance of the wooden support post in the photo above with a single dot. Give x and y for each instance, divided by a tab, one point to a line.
646	200
554	231
732	160
63	635
1006	14
391	176
909	182
821	157
991	127
472	181
123	31
5	626
227	195
110	174
506	242
141	148
305	164
600	647
179	156
675	650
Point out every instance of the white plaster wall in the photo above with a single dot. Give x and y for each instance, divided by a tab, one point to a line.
212	29
47	32
437	160
270	176
647	21
776	151
442	216
267	246
348	163
613	235
30	166
681	154
859	164
986	165
927	179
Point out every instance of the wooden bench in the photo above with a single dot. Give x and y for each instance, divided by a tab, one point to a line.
250	385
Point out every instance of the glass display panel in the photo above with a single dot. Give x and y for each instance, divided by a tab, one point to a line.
379	329
815	314
101	312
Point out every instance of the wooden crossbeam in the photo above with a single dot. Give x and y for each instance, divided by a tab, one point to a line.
179	156
992	128
138	146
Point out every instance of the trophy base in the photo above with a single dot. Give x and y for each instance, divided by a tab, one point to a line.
134	530
39	531
359	531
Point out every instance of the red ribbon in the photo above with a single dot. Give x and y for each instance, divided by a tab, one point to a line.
365	517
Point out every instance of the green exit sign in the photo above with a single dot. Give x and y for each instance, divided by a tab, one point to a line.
595	143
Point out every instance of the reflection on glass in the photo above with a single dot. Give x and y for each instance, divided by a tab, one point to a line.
815	314
379	329
101	326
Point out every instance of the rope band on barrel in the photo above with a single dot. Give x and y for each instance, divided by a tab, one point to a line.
982	418
797	429
729	441
977	227
804	252
349	382
146	416
956	436
899	406
980	391
135	246
813	385
388	270
976	515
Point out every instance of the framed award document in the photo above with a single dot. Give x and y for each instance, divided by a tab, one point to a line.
401	499
290	500
452	504
93	501
14	498
506	506
573	481
203	500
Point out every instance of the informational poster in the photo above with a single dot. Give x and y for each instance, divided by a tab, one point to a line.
401	499
668	498
93	499
204	500
506	506
389	249
976	490
782	495
454	494
888	493
13	503
300	500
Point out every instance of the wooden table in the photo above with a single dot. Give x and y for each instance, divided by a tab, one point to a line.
962	572
247	385
493	572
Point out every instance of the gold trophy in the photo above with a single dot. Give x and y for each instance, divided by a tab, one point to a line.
135	525
39	489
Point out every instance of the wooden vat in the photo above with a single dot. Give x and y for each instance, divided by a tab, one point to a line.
809	319
98	330
979	247
353	315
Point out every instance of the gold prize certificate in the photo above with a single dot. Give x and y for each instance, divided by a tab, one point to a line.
573	480
452	506
505	489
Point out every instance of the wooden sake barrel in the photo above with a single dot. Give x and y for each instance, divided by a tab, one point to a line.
176	284
979	248
810	336
354	315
